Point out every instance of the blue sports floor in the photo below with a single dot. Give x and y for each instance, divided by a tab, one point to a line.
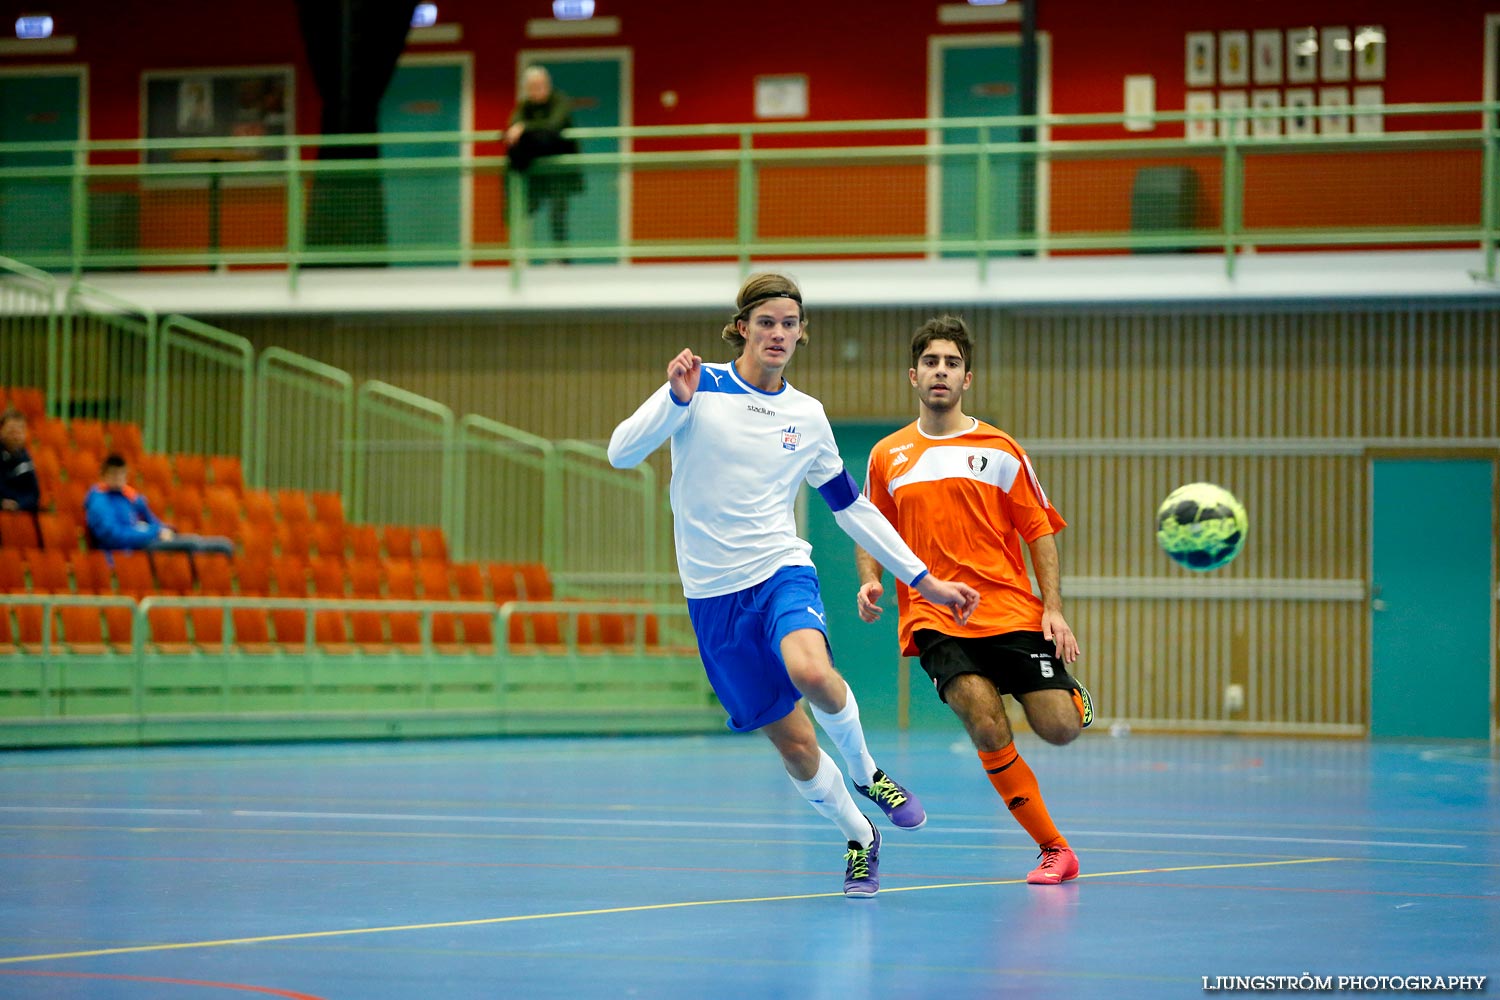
688	867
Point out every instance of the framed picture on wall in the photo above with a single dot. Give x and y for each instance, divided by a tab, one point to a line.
1230	102
1369	97
1369	52
1234	57
1302	55
1267	48
1300	100
781	96
1200	59
1333	121
216	103
1200	110
1267	127
1334	50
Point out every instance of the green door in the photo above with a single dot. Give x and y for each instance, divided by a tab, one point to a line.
1431	598
980	81
424	209
595	84
36	214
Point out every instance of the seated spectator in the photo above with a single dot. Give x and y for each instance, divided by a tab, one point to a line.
120	518
18	486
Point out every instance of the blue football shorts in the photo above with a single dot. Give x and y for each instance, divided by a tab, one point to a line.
739	640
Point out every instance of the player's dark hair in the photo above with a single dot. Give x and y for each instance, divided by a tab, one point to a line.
759	288
112	462
943	328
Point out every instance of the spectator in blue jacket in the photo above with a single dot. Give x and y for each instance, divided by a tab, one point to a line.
120	518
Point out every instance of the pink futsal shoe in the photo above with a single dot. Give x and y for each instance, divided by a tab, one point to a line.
1059	864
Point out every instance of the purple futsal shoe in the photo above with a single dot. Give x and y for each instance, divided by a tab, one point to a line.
862	867
899	805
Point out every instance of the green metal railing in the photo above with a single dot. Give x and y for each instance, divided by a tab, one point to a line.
205	390
611	545
746	191
132	663
29	317
306	410
403	451
107	363
499	493
508	496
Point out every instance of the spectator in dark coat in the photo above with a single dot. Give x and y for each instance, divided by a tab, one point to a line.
19	489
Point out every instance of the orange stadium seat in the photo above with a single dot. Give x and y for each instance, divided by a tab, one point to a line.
260	508
125	440
328	507
167	629
504	581
292	506
30	401
252	574
228	472
71	500
401	585
59	531
12	573
329	538
432	543
52	433
18	530
190	470
155	472
133	574
174	572
398	541
88	435
49	571
91	572
215	573
81	466
81	628
362	541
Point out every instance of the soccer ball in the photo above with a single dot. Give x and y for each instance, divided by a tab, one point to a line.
1201	525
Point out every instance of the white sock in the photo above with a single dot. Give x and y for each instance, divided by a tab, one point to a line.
826	791
849	736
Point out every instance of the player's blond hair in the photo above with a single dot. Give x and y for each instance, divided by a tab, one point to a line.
759	288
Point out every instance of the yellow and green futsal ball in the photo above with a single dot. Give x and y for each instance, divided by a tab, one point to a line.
1202	526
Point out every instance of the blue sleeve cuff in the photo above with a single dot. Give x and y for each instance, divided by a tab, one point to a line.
673	397
918	579
840	491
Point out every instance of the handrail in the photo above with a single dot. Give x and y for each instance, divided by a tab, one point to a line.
1222	142
402	406
215	346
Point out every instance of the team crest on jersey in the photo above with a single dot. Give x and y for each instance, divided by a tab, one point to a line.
978	463
790	438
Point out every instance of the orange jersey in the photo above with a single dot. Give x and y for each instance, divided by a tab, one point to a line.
964	503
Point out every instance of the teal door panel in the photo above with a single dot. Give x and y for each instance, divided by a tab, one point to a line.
980	82
594	86
423	208
1431	598
867	655
36	214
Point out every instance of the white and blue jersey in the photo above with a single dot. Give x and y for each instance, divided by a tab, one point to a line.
739	455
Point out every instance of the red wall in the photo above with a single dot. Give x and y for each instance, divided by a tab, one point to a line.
864	60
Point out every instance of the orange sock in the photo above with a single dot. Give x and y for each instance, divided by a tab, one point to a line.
1016	784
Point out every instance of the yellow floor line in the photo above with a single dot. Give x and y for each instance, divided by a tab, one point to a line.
310	935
